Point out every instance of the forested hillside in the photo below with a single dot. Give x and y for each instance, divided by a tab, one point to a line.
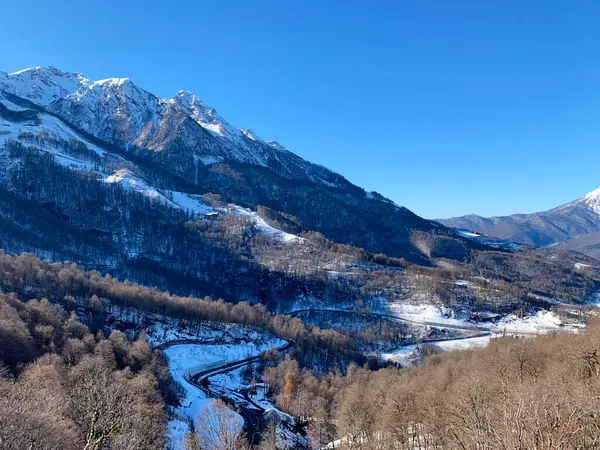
64	385
515	394
70	379
182	145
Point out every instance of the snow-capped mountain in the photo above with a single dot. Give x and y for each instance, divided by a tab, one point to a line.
558	225
592	200
42	86
111	127
121	113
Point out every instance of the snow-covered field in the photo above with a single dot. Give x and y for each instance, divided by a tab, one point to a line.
409	355
541	322
264	226
426	313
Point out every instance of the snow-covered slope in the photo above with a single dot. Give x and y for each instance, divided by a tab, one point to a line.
41	85
119	112
180	144
491	241
46	133
592	199
114	109
206	116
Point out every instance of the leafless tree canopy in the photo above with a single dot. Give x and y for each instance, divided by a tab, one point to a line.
62	387
535	393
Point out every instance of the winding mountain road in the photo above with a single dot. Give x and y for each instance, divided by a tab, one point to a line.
253	413
254	422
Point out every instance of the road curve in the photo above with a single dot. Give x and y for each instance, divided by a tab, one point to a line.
253	417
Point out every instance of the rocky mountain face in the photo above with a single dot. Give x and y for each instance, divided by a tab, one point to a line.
183	145
106	174
574	220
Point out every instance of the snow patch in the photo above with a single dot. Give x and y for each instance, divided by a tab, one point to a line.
426	313
542	321
467	234
250	135
129	181
191	202
208	160
180	200
276	145
110	82
488	240
409	355
264	226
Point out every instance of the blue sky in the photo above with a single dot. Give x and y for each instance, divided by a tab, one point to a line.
447	107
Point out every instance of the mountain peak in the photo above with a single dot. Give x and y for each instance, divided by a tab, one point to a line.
204	115
36	70
42	85
122	113
593	194
44	73
28	69
593	200
188	99
112	82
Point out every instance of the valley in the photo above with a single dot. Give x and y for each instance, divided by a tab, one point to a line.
238	296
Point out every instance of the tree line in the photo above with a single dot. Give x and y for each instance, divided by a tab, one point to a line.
30	277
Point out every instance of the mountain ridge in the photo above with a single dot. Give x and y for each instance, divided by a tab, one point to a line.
113	178
181	144
554	226
90	106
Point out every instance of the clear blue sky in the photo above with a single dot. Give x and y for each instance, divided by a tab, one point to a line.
447	107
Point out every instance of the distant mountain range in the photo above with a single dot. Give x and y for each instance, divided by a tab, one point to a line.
575	225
